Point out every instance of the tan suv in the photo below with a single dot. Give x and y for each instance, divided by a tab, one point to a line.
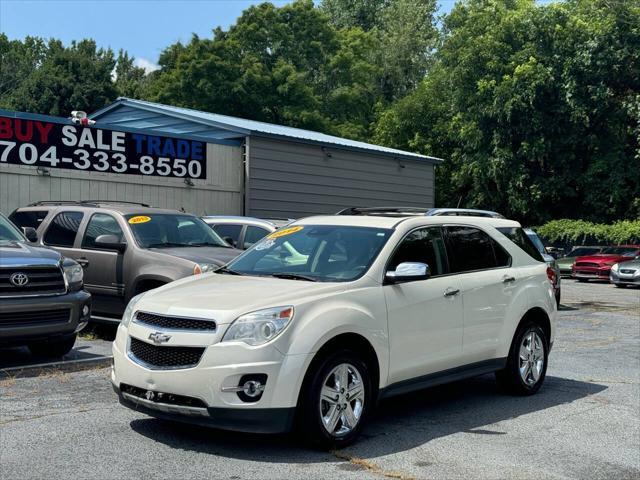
125	248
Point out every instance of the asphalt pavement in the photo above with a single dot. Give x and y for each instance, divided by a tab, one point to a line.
584	422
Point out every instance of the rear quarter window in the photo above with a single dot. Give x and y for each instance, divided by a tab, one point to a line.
518	236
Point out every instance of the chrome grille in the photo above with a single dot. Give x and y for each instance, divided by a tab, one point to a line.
175	323
41	281
627	271
163	356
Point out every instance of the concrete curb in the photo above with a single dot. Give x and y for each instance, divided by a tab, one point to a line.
61	365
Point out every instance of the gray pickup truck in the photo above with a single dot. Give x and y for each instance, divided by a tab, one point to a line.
42	300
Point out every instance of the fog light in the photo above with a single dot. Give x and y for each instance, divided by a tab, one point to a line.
252	388
85	310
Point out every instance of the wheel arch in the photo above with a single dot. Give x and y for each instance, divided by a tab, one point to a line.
538	316
349	341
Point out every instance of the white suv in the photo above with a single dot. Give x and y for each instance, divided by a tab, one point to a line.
318	321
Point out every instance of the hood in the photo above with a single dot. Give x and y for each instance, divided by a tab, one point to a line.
225	297
629	263
24	254
215	255
566	260
602	258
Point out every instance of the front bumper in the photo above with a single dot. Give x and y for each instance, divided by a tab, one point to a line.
623	279
591	273
14	331
208	385
256	420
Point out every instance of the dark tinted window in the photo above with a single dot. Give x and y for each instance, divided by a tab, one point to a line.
253	234
426	246
101	224
28	219
521	239
470	249
63	229
229	232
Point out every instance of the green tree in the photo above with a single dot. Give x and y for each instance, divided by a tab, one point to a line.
130	81
534	108
55	79
364	14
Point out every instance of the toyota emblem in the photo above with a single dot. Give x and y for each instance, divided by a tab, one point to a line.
19	279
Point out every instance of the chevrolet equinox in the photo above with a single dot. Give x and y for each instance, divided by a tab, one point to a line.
318	321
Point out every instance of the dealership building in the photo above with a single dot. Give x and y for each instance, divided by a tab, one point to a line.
201	163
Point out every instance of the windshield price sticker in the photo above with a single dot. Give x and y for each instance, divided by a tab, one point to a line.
139	219
285	231
56	145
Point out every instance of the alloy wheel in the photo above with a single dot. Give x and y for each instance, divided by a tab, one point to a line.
342	400
531	358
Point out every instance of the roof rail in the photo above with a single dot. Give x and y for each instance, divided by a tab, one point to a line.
86	203
117	202
418	211
385	211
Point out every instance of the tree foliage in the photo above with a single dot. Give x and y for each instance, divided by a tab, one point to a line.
582	232
535	108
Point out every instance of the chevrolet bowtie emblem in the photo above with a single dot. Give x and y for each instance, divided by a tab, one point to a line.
159	337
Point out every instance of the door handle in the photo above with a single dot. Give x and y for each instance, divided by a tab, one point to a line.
508	279
83	262
451	292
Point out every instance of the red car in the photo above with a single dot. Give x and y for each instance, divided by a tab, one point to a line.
597	267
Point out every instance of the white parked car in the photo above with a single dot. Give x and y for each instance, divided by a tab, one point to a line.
321	319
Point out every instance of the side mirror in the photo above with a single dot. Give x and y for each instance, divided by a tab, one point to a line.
230	241
30	233
408	272
110	242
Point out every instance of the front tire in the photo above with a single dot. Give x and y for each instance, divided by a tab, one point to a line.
526	366
336	401
620	285
55	348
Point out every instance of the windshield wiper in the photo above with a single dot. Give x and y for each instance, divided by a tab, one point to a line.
167	245
209	244
227	270
294	276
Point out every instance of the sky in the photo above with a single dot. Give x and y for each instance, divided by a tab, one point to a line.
141	27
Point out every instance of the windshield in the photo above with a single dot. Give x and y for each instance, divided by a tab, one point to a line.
168	230
626	251
313	252
583	251
8	231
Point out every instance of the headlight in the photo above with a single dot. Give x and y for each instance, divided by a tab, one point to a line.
73	275
199	268
128	312
615	267
257	328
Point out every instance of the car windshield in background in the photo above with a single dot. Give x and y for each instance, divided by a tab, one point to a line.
626	251
583	251
8	232
313	252
168	230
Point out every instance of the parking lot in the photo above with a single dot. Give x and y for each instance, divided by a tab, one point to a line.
584	423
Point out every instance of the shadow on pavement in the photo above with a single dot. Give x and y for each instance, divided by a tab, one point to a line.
400	424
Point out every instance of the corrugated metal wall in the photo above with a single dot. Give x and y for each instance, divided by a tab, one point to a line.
289	179
221	193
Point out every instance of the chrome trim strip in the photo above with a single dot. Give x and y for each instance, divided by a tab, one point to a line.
168	408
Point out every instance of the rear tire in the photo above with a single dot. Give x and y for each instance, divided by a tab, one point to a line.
331	415
582	280
526	366
558	298
56	348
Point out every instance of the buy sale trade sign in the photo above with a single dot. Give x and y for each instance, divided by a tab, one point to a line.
59	145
